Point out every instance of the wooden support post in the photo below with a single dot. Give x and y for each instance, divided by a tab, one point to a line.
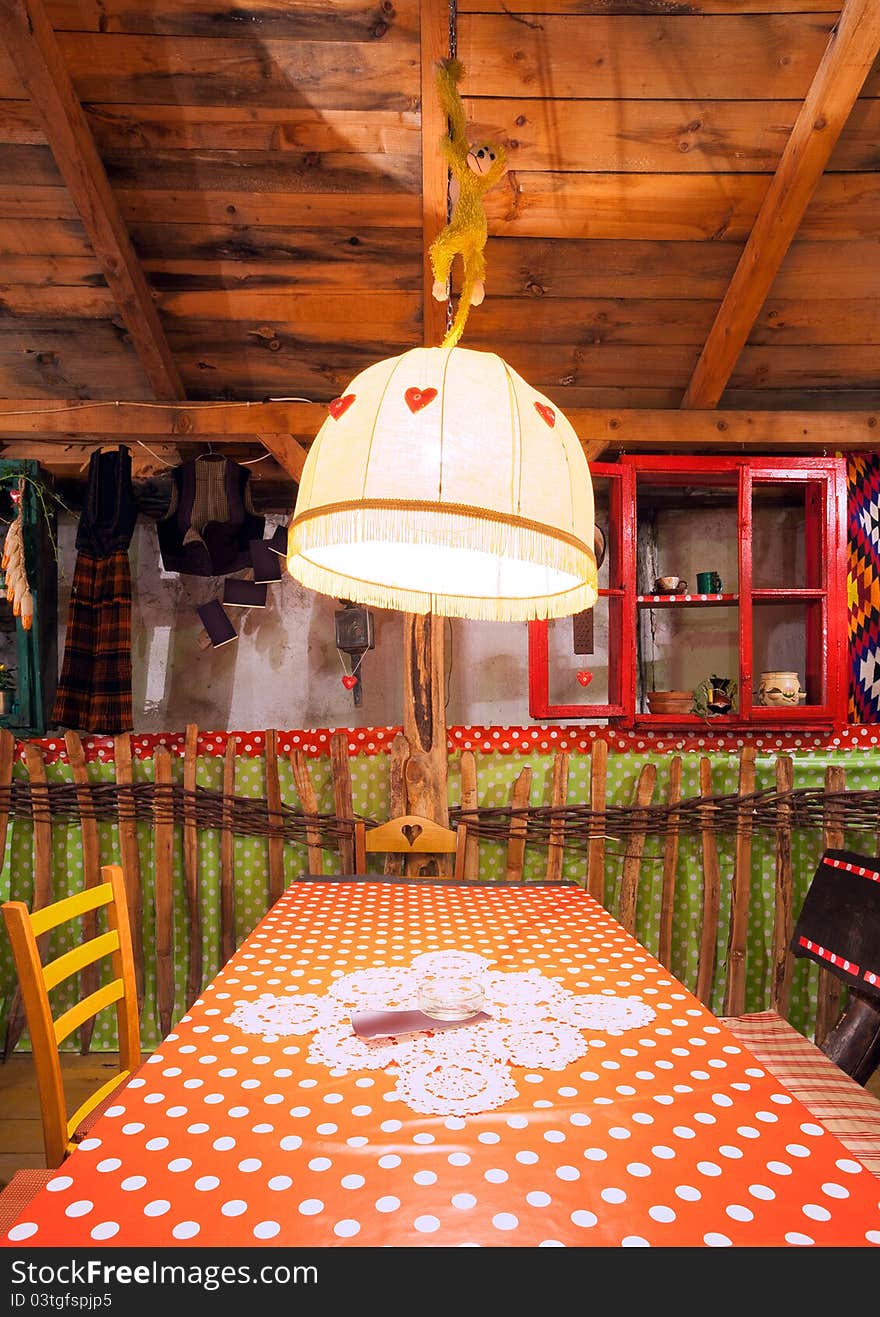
129	853
424	725
670	861
632	859
783	919
735	991
91	864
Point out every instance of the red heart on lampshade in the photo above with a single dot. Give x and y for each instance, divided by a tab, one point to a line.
546	413
585	678
349	681
340	405
416	399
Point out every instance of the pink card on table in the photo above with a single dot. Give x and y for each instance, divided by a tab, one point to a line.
373	1024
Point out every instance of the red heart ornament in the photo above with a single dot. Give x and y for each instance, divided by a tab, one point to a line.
340	405
546	413
585	678
349	681
416	399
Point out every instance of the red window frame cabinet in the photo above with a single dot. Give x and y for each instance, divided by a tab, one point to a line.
821	596
620	547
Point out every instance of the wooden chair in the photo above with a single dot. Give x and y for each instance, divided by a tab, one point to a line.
111	949
410	834
17	1194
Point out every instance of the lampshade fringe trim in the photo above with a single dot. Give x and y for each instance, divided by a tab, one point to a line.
480	530
478	608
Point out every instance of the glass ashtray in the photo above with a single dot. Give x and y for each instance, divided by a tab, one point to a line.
450	997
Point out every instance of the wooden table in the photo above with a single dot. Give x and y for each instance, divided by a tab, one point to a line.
666	1134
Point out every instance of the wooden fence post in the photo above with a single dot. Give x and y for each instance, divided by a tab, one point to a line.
632	859
780	968
670	861
740	890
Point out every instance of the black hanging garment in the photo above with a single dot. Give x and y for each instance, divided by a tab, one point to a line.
94	689
210	521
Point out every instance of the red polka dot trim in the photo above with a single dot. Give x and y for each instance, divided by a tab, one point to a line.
534	739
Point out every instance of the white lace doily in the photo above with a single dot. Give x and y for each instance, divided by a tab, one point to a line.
344	1051
450	962
544	1046
384	987
278	1017
530	988
611	1014
457	1086
533	1022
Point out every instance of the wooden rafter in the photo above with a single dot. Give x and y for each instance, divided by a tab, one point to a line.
32	45
849	55
287	451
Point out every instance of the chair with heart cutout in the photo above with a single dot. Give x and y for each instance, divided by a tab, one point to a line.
410	834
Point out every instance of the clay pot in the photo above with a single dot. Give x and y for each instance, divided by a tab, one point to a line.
780	689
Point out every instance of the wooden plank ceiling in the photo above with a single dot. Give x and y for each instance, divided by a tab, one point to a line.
203	204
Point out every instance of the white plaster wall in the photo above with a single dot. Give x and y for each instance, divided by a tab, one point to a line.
284	669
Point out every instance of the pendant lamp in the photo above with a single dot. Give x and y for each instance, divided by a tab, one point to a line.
442	482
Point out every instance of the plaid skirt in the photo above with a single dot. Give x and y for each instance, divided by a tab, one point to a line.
94	688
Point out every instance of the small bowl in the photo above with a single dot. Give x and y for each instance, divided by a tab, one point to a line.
450	996
670	701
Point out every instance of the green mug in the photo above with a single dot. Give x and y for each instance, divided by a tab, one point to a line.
708	583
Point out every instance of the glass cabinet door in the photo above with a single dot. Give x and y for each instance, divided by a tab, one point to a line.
794	611
580	667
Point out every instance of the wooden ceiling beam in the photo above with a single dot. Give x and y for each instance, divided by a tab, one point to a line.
666	430
32	45
191	421
287	428
852	48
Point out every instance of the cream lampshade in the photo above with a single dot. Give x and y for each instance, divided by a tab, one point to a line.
442	482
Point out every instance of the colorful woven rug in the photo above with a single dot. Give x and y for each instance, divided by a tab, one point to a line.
863	586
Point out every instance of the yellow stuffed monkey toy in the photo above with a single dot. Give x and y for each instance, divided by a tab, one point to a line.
474	170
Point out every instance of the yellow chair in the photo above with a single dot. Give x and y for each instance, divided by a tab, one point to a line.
410	834
26	930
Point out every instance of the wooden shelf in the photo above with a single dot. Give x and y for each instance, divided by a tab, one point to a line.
683	600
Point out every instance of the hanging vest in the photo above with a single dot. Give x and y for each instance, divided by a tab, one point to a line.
209	526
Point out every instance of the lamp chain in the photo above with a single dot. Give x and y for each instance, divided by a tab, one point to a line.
453	50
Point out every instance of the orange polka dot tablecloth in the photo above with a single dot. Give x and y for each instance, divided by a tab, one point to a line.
594	1102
